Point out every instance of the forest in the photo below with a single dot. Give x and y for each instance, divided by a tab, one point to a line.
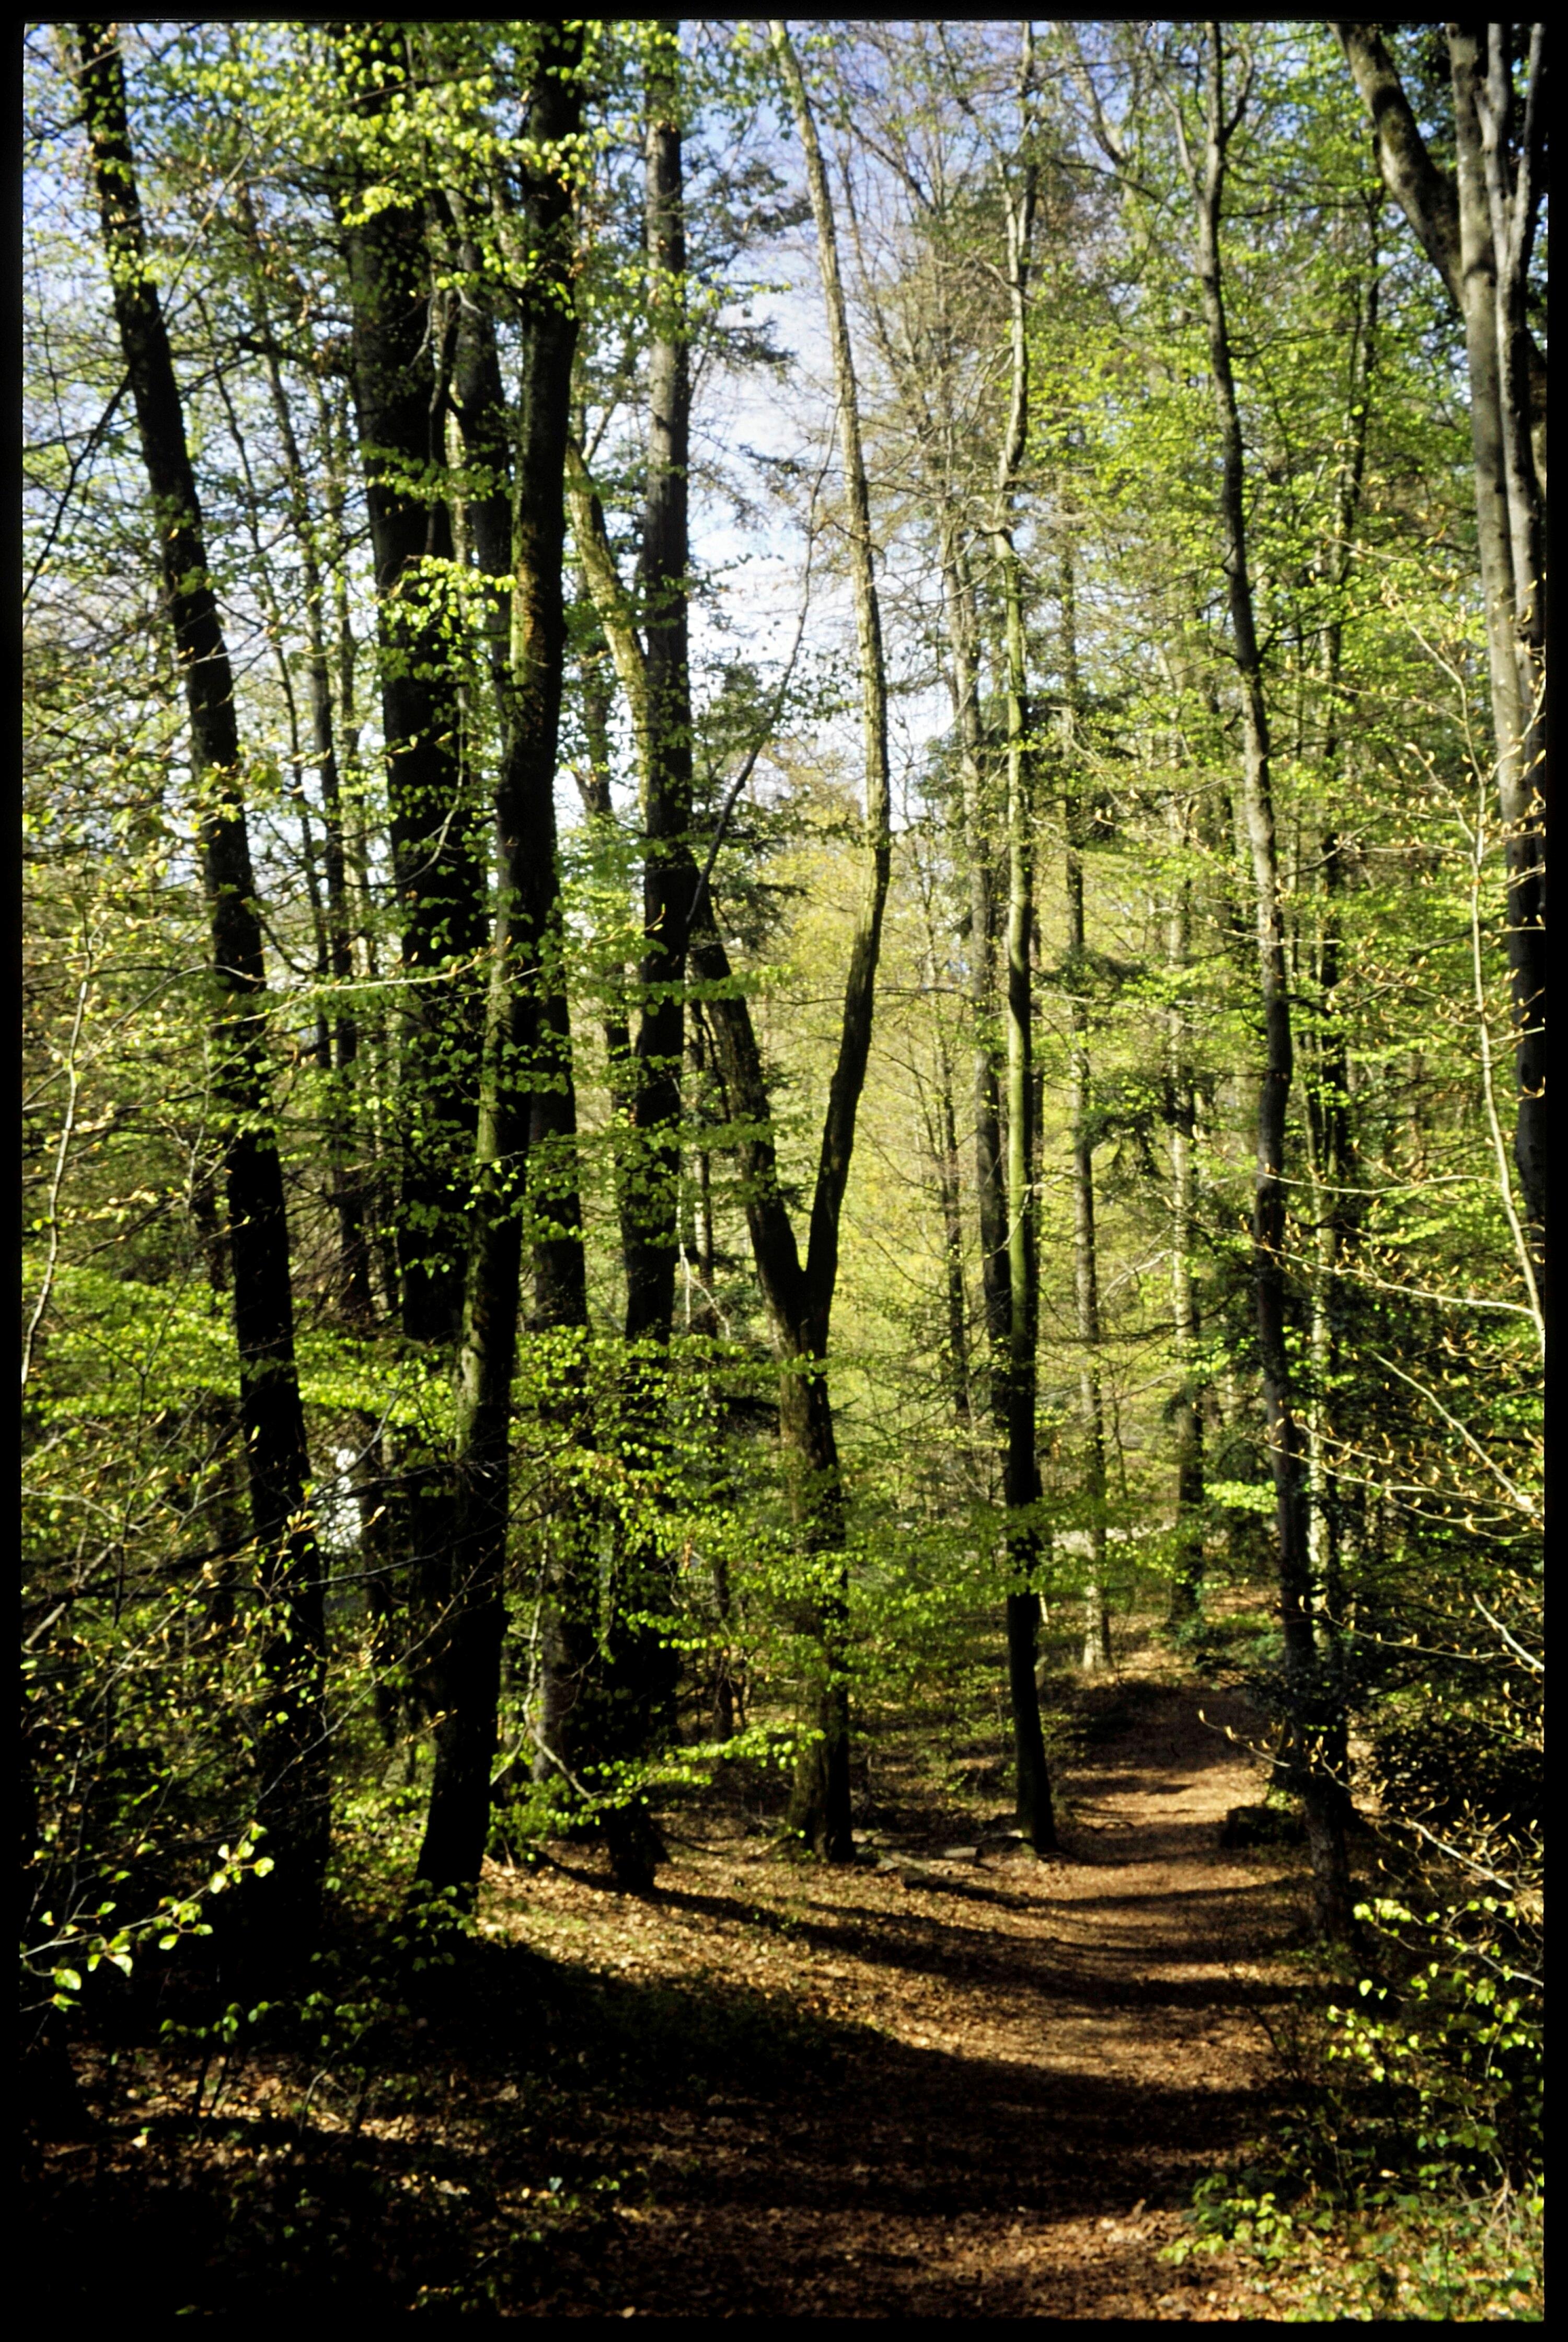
784	1276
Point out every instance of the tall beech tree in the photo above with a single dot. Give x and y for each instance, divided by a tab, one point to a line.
292	1794
799	1297
467	1673
402	346
653	1240
1021	1474
1477	226
801	1301
1315	1719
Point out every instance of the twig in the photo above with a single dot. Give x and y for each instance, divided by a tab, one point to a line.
749	765
1516	1495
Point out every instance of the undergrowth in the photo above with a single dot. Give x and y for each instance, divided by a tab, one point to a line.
1403	2177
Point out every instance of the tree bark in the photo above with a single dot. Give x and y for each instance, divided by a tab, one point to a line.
1478	230
962	630
655	1168
819	1807
945	1148
1186	1583
1096	1651
401	354
1330	1151
1316	1701
293	1788
1495	228
1021	1472
347	1189
468	1670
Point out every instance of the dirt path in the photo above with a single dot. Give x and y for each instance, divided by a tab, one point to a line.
1038	2060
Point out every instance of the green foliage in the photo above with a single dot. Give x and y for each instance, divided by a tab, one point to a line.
1406	2179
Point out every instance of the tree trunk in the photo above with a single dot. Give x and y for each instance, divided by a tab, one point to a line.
348	1201
294	1790
820	1799
468	1666
1331	1164
1021	1472
962	629
1314	1698
946	1152
401	362
1096	1652
1478	230
1509	517
655	1168
1186	1583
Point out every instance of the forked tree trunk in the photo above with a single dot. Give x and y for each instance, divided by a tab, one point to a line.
819	1808
1477	228
799	1297
294	1787
468	1667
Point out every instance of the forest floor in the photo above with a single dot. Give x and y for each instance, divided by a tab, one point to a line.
948	2081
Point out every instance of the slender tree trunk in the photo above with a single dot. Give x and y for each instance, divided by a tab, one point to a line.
1330	1153
1096	1652
1020	1473
946	1151
962	633
1182	1122
468	1673
294	1790
1511	530
819	1807
348	1201
1315	1699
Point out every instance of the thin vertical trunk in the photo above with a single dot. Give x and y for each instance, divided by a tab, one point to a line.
1182	1122
1331	1154
820	1798
1021	1471
638	1678
596	696
348	1204
468	1666
946	1150
294	1793
1316	1701
963	633
1096	1652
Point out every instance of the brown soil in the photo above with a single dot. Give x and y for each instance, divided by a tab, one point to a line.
947	2082
1044	2057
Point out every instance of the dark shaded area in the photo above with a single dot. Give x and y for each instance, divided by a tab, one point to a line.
569	2142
